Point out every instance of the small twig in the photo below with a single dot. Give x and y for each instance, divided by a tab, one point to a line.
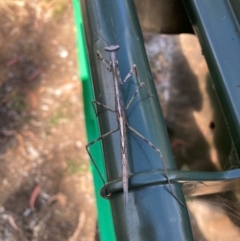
34	196
14	60
16	228
34	74
62	199
13	223
81	222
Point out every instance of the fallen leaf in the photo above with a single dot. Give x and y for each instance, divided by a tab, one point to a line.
59	197
34	196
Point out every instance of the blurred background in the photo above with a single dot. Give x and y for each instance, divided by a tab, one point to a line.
197	130
46	190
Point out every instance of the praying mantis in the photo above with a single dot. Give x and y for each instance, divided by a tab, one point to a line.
122	123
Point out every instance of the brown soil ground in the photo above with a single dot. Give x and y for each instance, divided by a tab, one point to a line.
45	183
46	190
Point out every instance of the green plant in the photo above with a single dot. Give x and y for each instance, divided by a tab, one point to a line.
76	167
17	103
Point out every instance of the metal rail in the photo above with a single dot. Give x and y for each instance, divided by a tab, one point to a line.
152	212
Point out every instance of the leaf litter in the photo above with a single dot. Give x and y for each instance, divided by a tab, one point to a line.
41	121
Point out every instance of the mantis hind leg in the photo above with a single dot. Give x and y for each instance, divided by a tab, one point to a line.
161	157
90	155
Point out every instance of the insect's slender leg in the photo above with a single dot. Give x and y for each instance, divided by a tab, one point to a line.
141	84
108	67
160	154
100	104
134	95
132	70
94	141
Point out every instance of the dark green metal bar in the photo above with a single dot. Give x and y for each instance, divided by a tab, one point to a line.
156	177
152	213
105	223
217	25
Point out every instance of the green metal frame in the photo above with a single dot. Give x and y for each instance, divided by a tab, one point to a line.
217	25
151	209
105	223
